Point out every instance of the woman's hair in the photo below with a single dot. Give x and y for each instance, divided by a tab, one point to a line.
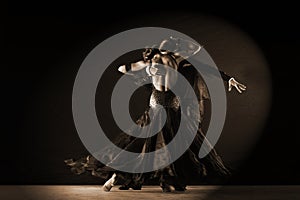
149	53
167	45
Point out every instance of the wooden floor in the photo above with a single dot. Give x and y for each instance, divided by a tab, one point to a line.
92	192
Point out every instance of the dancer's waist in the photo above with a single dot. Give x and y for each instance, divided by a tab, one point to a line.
164	98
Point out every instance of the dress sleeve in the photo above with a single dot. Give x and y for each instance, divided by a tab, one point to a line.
225	76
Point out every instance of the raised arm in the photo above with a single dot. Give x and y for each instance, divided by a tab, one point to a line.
179	47
232	82
133	67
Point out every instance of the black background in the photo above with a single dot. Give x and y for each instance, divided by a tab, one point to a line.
40	39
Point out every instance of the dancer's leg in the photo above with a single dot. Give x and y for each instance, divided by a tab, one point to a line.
109	183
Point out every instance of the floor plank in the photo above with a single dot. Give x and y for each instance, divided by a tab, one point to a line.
93	192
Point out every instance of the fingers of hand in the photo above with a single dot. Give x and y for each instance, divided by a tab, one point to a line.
238	89
242	87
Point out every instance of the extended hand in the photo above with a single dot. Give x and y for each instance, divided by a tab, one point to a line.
122	69
238	86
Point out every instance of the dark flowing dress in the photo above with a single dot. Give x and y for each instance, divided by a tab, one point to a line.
189	164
